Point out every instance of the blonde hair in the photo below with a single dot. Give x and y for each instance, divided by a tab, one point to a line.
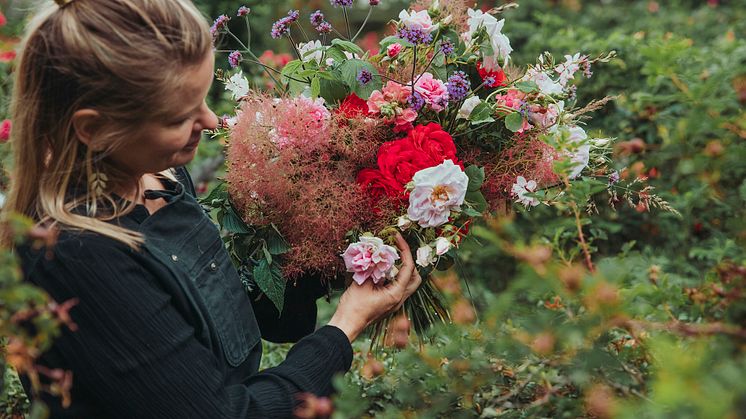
121	58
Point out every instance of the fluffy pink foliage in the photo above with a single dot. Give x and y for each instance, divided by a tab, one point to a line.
528	157
308	190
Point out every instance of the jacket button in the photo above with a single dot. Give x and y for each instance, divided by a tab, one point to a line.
213	266
174	258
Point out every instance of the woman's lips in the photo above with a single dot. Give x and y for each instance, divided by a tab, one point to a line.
193	142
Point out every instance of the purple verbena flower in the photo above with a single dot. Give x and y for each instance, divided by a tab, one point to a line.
234	59
414	36
458	86
447	47
341	3
282	26
324	27
243	11
416	101
219	24
364	77
317	18
489	81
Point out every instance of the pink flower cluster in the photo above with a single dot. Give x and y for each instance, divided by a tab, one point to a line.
302	120
433	91
392	104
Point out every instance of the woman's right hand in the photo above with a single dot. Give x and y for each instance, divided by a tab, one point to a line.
361	305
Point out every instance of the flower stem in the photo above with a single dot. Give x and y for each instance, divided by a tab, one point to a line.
347	22
370	11
414	65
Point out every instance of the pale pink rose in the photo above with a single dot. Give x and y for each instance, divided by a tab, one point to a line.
433	91
442	246
393	50
5	130
370	258
417	20
375	101
395	92
437	191
543	117
425	256
404	119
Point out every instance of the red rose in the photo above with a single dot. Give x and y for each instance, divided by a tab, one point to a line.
500	78
425	146
376	184
353	107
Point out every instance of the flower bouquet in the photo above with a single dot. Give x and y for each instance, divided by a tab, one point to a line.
420	138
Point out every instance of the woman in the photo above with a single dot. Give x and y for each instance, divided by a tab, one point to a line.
110	98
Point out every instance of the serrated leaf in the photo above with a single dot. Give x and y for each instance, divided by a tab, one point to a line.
333	91
269	279
477	201
481	114
476	177
347	46
232	223
385	42
267	255
290	69
350	70
276	244
217	196
514	122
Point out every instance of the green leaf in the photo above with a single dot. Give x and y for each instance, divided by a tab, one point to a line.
333	91
290	69
385	42
267	255
347	46
350	70
232	223
471	212
276	244
514	121
527	86
336	54
477	201
476	177
217	196
481	114
269	279
315	87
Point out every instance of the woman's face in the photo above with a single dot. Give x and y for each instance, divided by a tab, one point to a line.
163	144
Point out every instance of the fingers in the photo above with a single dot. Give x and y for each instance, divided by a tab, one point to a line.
404	251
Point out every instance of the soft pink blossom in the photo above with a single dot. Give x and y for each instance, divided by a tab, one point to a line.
425	256
442	246
370	258
437	191
512	99
417	21
5	130
434	91
393	50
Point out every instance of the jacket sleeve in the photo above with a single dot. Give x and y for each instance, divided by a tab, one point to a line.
137	357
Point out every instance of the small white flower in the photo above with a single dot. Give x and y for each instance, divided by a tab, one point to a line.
425	256
311	51
581	155
2	199
442	246
403	223
521	188
468	107
567	69
499	42
546	85
238	85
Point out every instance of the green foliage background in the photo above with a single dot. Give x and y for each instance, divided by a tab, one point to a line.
658	329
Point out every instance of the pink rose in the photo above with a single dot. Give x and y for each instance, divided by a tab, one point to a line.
437	191
393	50
370	258
417	21
5	131
512	99
433	91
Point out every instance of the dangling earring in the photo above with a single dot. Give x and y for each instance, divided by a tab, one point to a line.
96	184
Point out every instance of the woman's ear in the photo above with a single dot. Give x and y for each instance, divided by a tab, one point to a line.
86	123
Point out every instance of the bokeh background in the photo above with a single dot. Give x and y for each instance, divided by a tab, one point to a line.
659	330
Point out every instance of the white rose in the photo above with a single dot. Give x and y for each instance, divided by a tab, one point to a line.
437	191
425	256
442	246
521	188
468	107
499	42
417	20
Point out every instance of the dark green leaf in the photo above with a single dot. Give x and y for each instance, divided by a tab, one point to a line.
232	223
477	201
270	280
527	86
476	177
481	114
347	46
350	70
